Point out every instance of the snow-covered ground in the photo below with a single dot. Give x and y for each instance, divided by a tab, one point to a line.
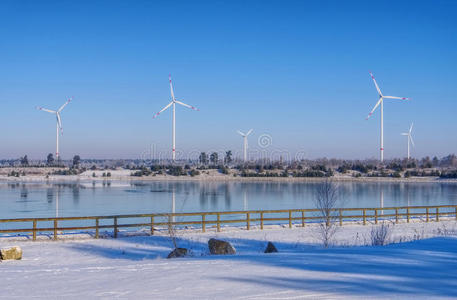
423	265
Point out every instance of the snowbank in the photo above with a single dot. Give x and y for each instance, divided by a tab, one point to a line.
133	267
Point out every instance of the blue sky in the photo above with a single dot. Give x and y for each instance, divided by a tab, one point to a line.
295	70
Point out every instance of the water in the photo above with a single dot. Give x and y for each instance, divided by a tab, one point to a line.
19	200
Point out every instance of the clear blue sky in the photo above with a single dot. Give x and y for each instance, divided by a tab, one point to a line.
296	70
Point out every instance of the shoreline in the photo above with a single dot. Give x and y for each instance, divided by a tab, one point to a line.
219	178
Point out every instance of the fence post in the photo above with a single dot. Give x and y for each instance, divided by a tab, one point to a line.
303	218
55	229
364	217
437	214
396	216
96	228
203	223
152	225
34	230
115	227
290	219
407	214
341	217
248	221
376	216
218	222
426	213
261	220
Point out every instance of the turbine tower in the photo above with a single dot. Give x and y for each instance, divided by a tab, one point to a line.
173	103
245	143
410	137
59	123
381	102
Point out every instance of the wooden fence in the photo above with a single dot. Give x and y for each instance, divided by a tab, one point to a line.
202	219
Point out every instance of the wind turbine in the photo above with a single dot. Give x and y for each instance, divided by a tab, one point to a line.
410	137
381	102
59	123
173	103
245	143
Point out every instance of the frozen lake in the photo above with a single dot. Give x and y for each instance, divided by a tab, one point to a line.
95	198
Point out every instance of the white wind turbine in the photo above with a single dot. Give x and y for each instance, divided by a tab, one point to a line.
59	123
173	103
245	143
381	102
410	137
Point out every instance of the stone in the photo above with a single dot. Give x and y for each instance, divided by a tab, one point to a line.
220	247
11	253
177	252
271	248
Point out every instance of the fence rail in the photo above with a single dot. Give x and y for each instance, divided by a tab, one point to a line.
248	219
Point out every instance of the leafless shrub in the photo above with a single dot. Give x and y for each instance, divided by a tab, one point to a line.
418	235
327	195
443	230
380	234
173	229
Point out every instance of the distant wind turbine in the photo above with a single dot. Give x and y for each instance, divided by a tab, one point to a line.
381	101
245	143
59	123
410	137
173	103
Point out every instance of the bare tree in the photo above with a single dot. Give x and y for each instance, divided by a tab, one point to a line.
327	196
172	231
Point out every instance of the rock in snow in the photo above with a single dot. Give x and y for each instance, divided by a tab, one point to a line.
220	247
177	252
271	248
11	253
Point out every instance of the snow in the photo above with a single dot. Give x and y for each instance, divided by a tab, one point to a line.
423	267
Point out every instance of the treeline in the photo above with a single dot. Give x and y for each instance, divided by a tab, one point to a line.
266	171
449	161
49	162
445	167
214	160
166	170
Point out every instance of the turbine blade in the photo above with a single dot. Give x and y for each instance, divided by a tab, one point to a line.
171	88
59	122
240	133
404	133
186	105
411	128
163	109
392	97
412	141
65	104
374	108
377	87
47	110
249	132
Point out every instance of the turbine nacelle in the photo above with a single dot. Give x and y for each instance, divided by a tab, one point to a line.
245	134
